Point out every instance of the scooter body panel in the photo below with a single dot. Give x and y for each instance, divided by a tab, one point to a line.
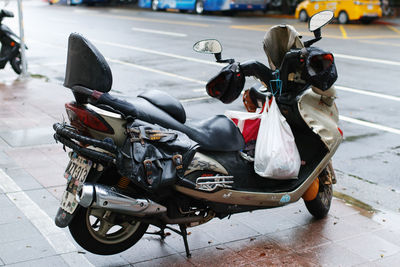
5	30
258	199
116	121
321	129
202	162
321	118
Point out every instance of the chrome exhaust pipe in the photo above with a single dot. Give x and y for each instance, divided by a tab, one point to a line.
106	197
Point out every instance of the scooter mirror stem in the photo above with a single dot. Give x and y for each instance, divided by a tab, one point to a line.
220	60
317	34
218	57
310	42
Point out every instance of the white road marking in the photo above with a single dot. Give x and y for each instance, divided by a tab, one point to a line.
370	124
363	92
156	71
159	32
54	235
155	52
367	59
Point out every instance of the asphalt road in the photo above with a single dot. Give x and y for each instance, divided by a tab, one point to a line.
153	50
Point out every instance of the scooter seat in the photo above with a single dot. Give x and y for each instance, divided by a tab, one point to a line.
217	133
166	102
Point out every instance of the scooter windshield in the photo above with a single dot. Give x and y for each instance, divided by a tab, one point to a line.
278	41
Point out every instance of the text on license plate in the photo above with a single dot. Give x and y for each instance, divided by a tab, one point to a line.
76	173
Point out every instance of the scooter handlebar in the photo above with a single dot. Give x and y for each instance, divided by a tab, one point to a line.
257	69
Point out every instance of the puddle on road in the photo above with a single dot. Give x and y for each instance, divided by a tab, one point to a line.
40	76
28	137
365	209
389	219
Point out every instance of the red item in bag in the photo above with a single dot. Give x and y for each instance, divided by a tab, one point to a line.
250	130
248	123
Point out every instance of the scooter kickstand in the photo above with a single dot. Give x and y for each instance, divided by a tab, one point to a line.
184	236
161	233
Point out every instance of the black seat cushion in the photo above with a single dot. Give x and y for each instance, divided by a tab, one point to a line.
217	133
167	103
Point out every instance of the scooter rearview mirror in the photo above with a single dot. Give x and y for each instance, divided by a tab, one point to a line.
210	46
319	20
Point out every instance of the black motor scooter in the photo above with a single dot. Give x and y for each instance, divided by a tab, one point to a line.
10	45
140	163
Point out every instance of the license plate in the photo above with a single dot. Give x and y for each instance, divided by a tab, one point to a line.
76	173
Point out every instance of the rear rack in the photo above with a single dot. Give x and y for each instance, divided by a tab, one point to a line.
67	137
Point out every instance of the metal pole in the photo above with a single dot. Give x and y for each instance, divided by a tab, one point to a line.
22	37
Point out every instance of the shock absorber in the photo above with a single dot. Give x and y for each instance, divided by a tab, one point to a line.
123	182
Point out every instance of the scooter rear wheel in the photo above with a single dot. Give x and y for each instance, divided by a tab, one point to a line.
320	205
105	233
16	63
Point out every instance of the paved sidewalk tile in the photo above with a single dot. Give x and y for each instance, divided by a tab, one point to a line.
332	254
370	247
25	250
299	239
386	261
267	222
176	260
254	248
17	230
219	255
43	262
105	261
28	137
24	179
147	248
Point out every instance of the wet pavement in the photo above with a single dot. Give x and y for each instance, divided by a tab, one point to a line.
31	176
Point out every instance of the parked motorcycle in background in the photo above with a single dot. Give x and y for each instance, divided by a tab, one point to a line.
10	45
141	163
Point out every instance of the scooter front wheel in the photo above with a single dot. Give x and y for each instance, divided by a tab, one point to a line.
104	232
16	63
320	205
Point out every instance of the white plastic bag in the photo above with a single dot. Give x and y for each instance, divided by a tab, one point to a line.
276	154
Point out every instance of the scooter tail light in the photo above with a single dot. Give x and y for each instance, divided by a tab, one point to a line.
82	118
340	131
